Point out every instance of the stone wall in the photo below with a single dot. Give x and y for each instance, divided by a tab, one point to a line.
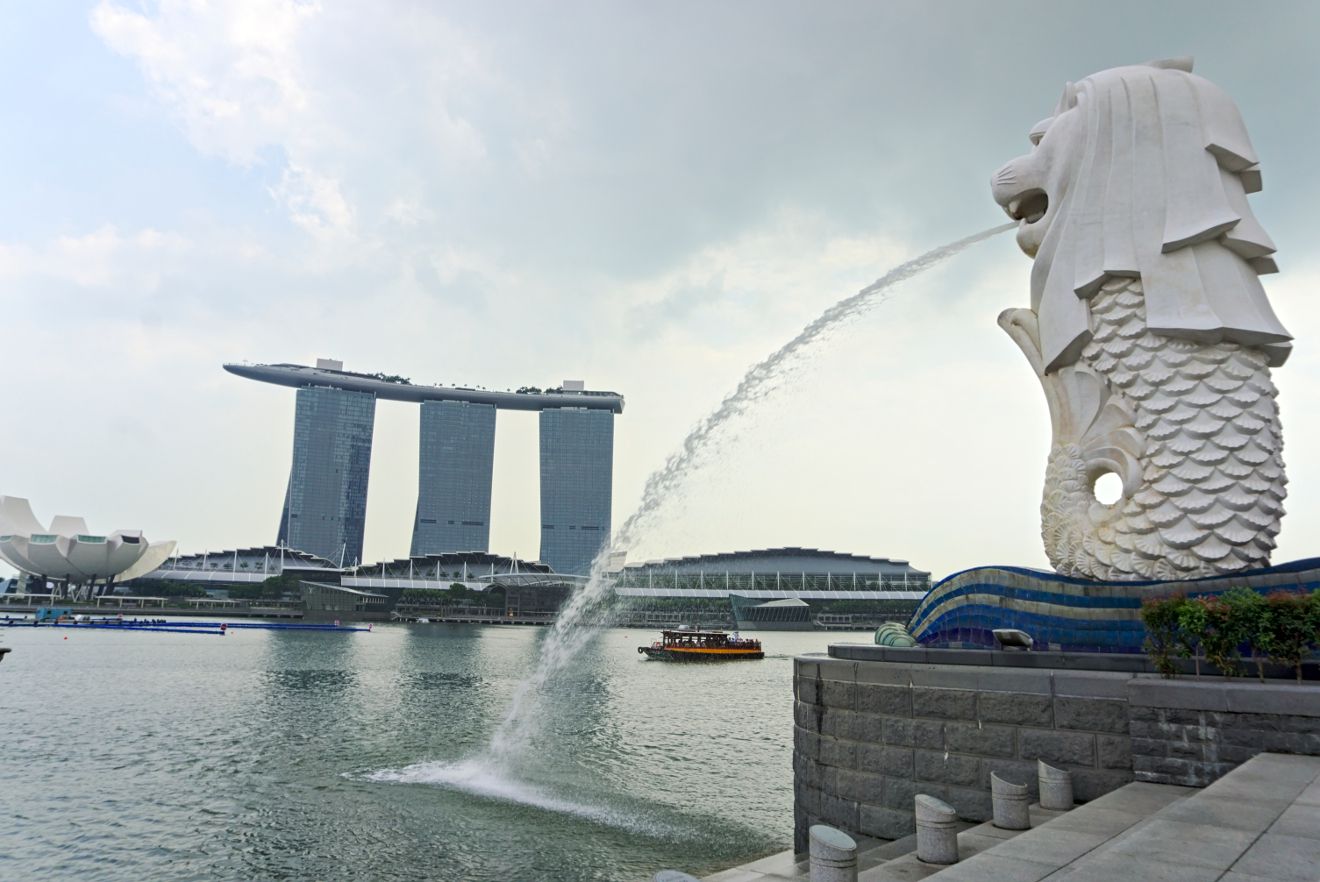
870	732
1192	733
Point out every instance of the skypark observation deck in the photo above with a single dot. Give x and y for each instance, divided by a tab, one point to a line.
397	389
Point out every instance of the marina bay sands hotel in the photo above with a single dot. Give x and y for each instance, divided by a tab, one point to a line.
326	501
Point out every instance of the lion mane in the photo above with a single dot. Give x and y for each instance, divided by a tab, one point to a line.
1146	170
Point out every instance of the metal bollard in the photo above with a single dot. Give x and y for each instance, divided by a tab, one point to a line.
833	855
937	831
1009	804
673	876
1056	789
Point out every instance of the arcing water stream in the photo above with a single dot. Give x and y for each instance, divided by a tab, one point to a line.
569	634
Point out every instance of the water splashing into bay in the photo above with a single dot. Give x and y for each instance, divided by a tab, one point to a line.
570	634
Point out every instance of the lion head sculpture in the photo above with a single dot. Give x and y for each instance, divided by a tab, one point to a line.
1143	171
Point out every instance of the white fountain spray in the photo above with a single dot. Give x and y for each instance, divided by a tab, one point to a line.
493	774
569	634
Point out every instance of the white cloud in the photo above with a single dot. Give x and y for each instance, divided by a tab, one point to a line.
315	92
778	271
232	71
408	212
101	259
314	201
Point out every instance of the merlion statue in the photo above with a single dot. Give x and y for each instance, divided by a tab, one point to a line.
1149	328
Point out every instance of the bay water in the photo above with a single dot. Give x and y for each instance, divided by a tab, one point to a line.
285	755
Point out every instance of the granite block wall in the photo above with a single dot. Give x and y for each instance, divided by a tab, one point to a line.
870	735
1192	733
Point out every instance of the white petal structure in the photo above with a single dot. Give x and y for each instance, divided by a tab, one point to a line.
68	551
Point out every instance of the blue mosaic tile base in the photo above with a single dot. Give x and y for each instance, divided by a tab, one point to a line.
1069	614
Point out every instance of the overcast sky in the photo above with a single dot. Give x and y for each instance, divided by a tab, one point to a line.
647	196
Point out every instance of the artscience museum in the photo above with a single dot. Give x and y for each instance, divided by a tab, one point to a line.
69	554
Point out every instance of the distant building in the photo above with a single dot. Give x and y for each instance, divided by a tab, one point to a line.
780	588
323	601
774	573
325	503
69	554
456	464
438	571
239	566
577	477
361	592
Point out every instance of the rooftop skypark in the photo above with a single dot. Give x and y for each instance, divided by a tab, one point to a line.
390	387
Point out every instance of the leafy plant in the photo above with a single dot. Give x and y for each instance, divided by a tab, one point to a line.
1293	628
1192	624
1283	628
1226	630
1160	616
1250	621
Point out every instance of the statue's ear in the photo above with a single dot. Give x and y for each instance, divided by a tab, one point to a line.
1182	63
1068	100
1224	132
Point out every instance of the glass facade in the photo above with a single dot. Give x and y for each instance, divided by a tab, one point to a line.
577	475
724	579
455	463
325	505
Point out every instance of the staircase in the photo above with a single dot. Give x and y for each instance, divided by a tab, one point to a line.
1259	823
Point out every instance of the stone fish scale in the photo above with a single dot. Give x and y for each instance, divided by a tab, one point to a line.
1212	468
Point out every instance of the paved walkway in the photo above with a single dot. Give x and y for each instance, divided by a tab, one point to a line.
1259	823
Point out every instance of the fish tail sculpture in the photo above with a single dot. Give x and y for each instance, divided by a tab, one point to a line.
1149	329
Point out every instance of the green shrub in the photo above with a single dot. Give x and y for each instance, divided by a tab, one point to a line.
1283	628
1224	630
1292	627
1160	616
1249	621
1193	622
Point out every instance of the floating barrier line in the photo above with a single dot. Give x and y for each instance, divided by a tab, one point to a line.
101	626
183	627
295	626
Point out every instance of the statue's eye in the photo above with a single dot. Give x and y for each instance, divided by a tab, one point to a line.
1038	131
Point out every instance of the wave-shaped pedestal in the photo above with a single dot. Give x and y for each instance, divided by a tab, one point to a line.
1067	613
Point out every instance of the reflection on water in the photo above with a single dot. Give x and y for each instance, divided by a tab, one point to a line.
274	755
414	681
313	681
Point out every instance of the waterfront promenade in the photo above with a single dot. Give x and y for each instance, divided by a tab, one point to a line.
1259	823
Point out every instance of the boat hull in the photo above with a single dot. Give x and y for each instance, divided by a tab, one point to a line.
700	655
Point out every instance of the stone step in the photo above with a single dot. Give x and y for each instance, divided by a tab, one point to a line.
1055	838
786	865
1259	823
973	840
887	851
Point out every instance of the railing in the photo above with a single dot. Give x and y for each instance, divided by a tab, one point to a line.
26	599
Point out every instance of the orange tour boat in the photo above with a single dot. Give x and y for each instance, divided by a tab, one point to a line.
702	646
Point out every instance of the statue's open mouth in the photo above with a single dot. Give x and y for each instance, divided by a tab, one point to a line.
1030	206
